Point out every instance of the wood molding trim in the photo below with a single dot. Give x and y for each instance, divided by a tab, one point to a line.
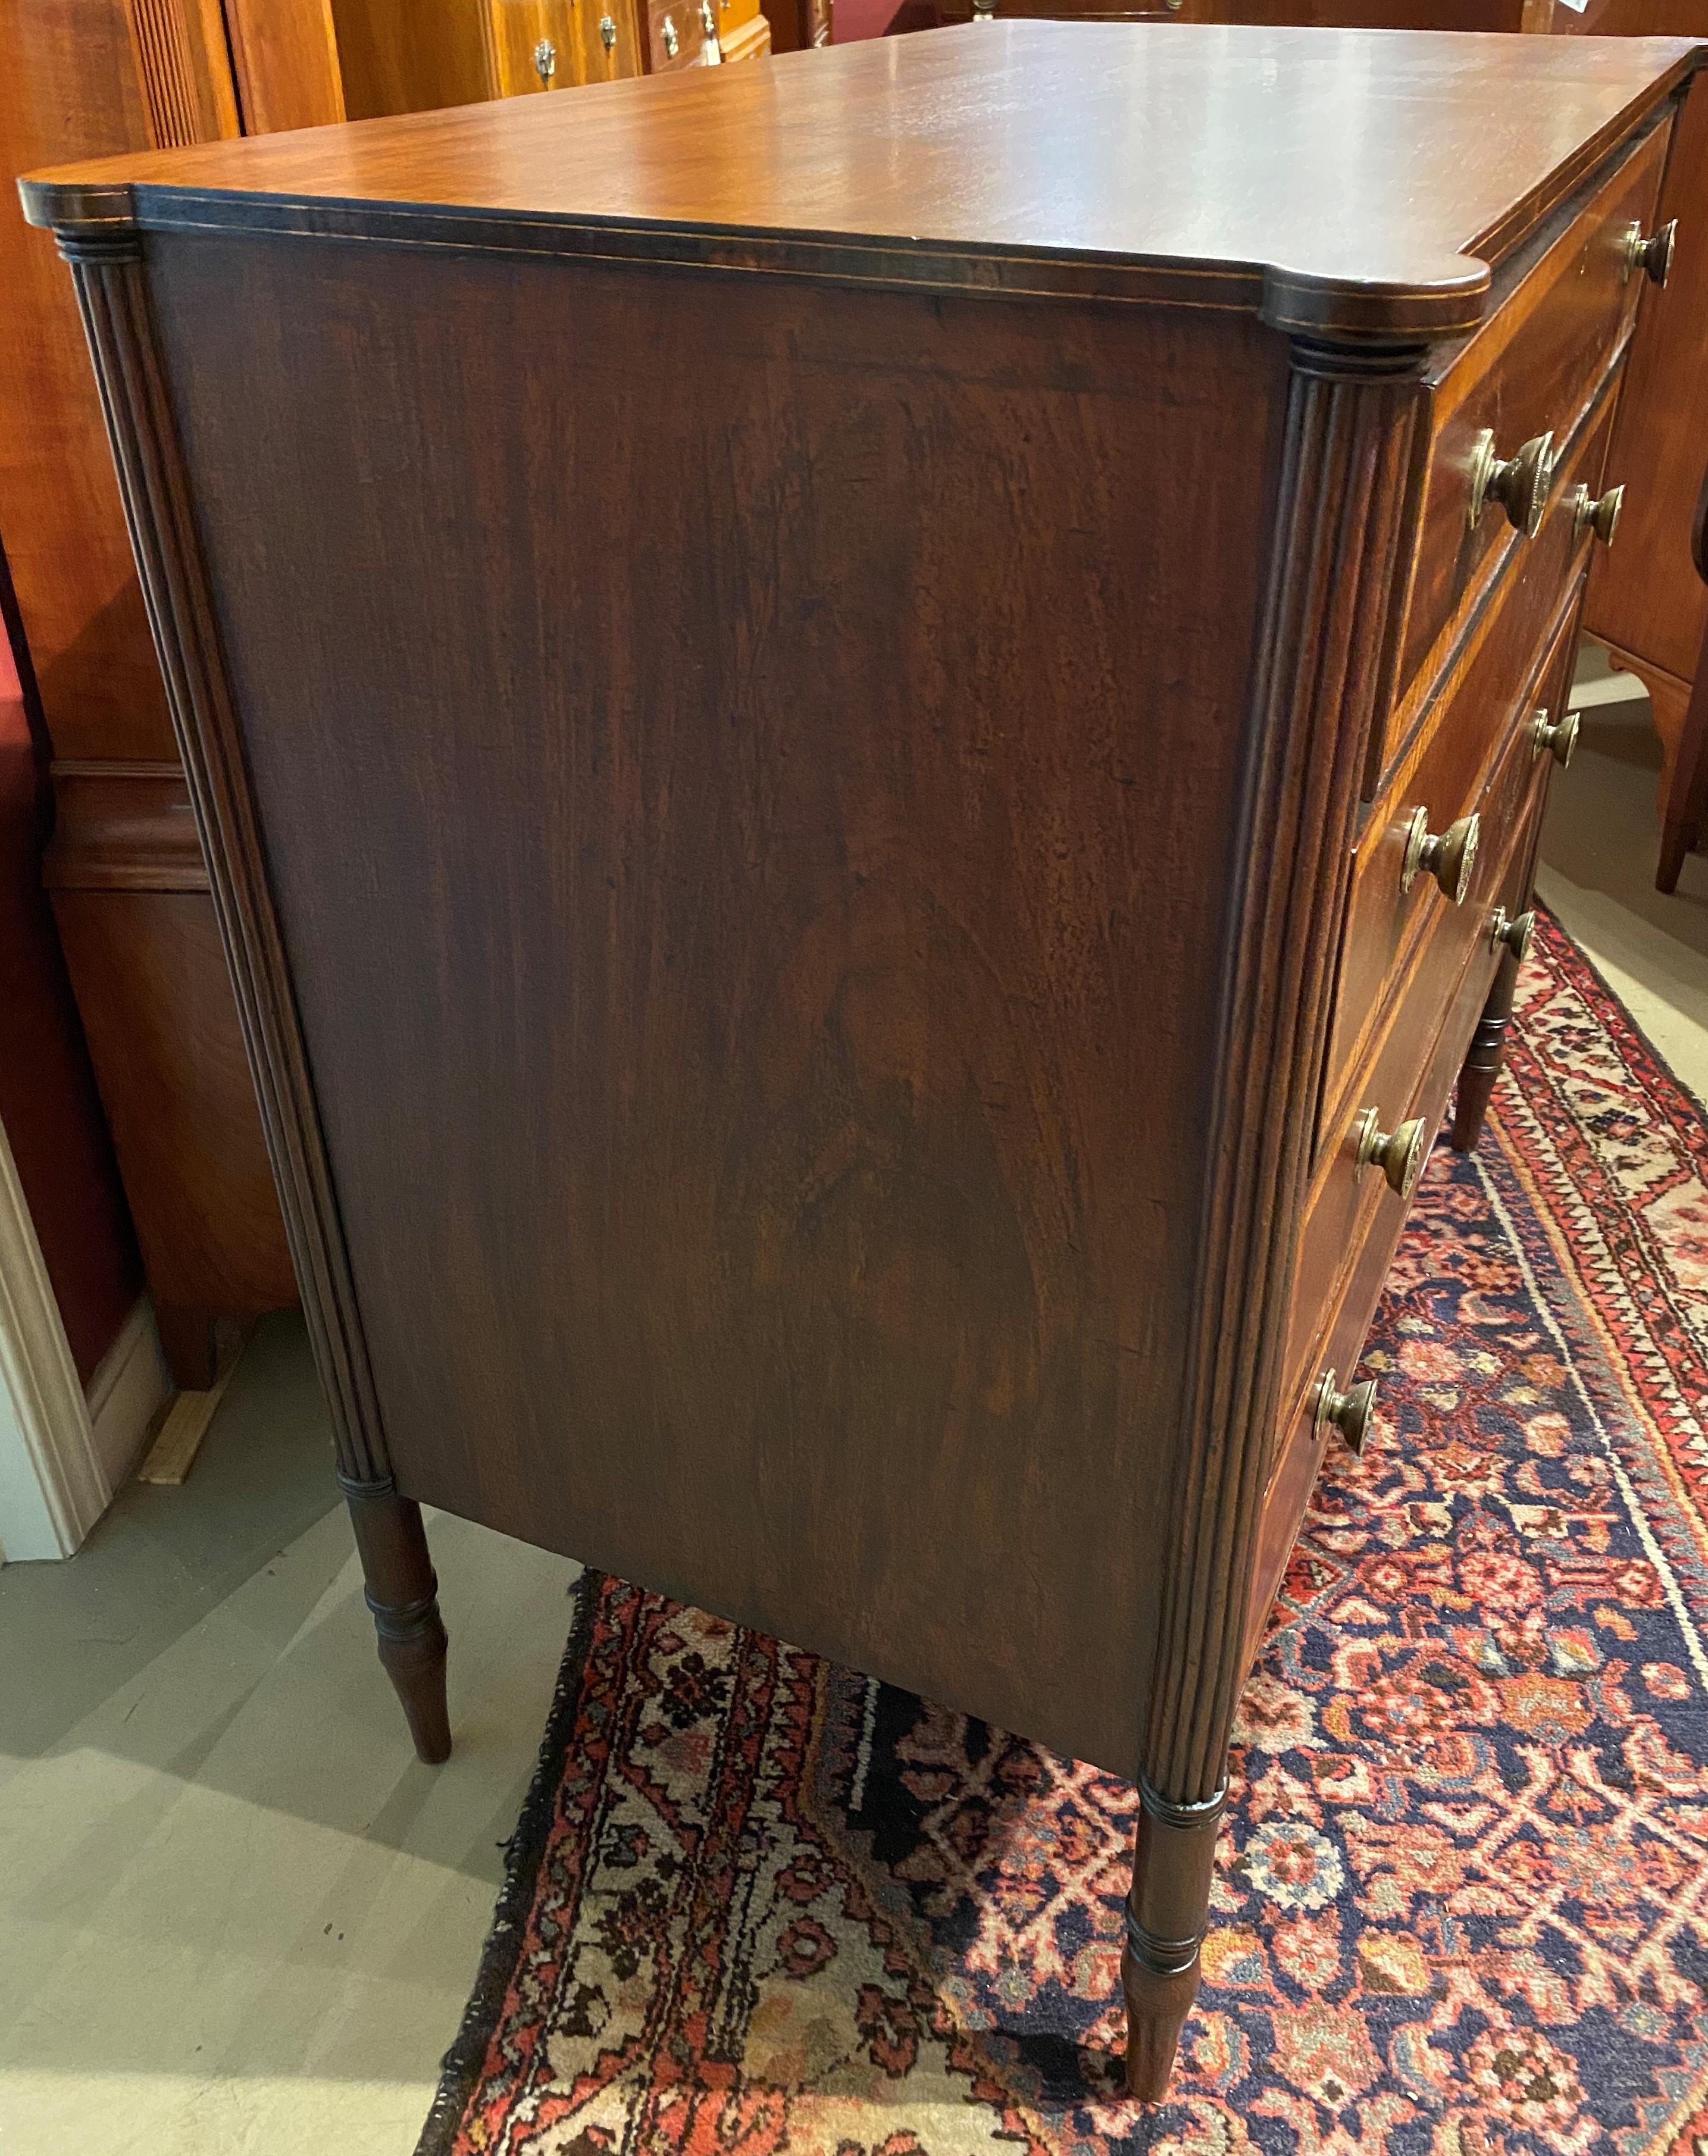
123	827
1350	420
47	1403
182	58
106	266
129	1384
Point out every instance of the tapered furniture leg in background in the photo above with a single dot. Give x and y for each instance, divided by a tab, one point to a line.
1167	1913
104	246
1684	792
187	1339
1482	1065
403	1593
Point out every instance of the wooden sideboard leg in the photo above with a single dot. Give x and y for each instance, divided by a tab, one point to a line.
1167	1914
186	1341
1482	1065
403	1593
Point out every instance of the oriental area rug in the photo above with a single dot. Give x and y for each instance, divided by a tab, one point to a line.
759	1904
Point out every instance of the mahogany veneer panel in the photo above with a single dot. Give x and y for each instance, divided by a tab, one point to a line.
786	1046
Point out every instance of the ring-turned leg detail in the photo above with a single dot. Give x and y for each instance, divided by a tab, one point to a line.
1167	1912
403	1593
1482	1065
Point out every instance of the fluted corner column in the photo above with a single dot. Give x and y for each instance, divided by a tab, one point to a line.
100	235
1338	515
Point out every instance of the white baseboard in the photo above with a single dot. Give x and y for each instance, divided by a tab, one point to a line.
129	1385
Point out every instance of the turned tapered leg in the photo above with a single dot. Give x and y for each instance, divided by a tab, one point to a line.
402	1592
1167	1913
1482	1067
186	1340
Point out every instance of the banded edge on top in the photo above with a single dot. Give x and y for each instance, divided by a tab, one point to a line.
1131	163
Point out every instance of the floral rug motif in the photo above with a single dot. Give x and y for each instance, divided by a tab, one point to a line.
759	1904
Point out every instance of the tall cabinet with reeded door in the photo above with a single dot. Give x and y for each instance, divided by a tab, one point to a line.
130	891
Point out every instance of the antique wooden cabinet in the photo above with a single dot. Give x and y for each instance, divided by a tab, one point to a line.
869	735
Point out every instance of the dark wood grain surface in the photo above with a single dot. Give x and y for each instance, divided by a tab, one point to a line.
778	1184
1371	176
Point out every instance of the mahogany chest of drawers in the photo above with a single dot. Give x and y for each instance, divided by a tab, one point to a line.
869	736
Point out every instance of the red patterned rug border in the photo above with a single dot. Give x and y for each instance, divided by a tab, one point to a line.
524	1853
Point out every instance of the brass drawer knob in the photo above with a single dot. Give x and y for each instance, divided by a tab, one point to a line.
673	43
1653	256
1350	1411
1601	517
1449	857
545	62
1519	484
1512	932
1398	1154
607	31
1558	737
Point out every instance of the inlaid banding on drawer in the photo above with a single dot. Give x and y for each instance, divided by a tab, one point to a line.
1346	1253
1454	742
1351	1199
1533	370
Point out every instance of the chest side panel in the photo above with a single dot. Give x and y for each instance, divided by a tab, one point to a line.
744	770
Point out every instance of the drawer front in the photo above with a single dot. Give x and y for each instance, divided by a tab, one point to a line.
1349	1202
1453	743
1535	367
681	33
557	44
744	33
1335	1340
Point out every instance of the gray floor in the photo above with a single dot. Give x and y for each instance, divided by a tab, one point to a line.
235	1914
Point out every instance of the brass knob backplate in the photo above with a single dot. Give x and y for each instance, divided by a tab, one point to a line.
1449	857
1512	932
1653	256
1602	516
1519	484
673	43
1350	1411
545	62
1398	1154
1559	738
607	31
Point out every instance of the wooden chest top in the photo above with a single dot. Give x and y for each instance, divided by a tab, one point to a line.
1341	182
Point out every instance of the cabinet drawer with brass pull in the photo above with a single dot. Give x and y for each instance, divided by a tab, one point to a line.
1508	403
1425	856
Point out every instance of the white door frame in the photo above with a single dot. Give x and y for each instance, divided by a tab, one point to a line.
65	1449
